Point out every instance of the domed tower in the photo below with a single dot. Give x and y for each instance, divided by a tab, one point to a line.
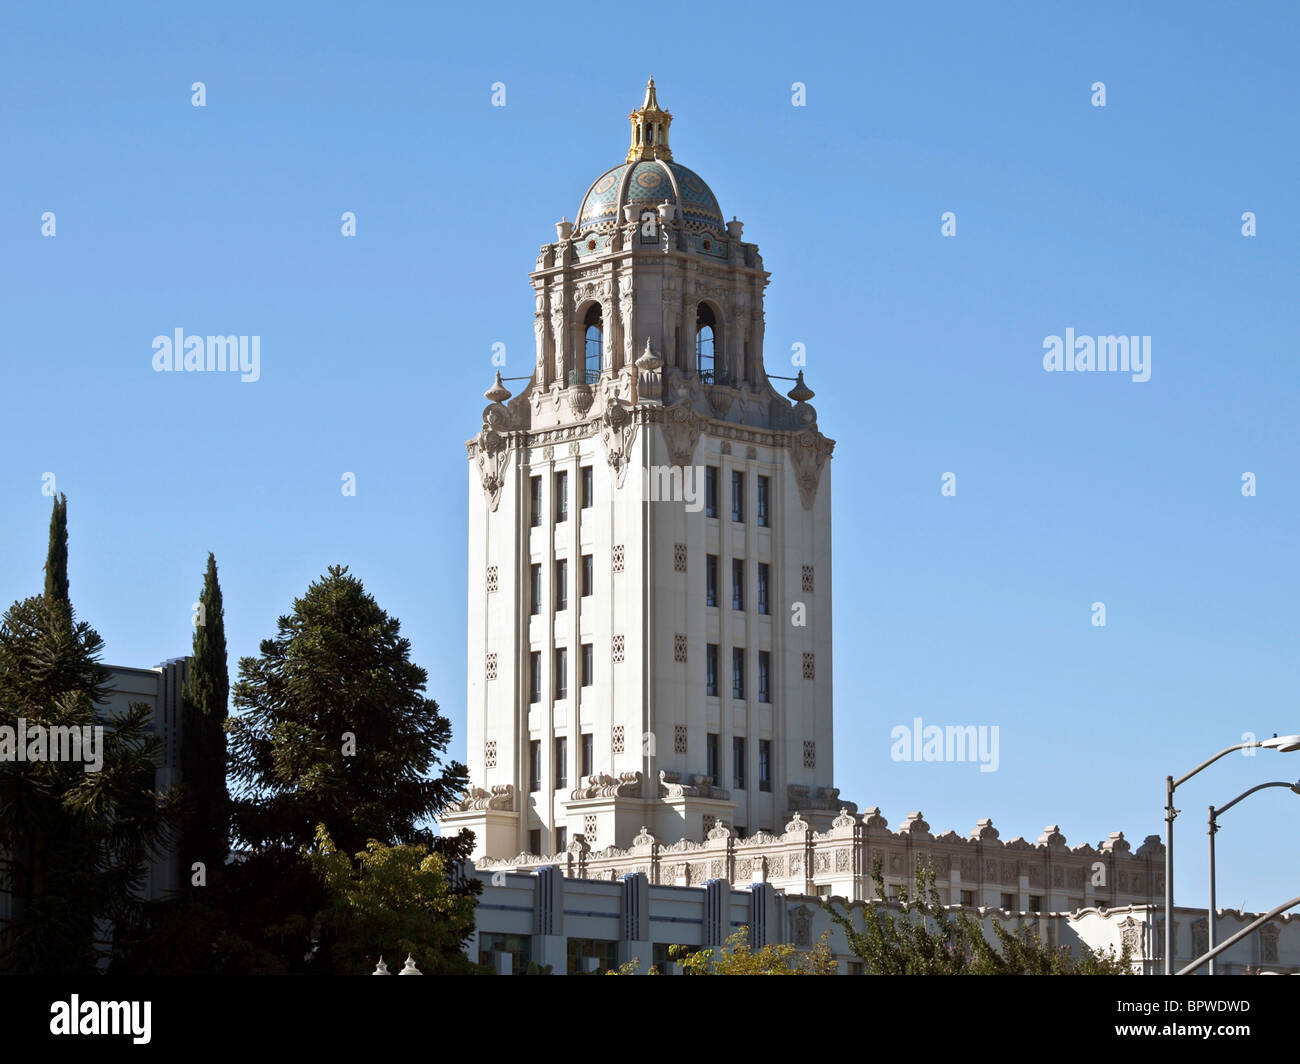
649	549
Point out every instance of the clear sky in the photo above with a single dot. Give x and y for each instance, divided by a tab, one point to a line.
926	351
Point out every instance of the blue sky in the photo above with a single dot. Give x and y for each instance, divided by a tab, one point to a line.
926	351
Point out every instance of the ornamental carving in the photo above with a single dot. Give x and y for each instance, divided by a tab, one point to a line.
491	455
628	785
681	429
502	796
808	453
617	431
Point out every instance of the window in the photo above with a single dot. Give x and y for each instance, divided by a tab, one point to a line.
588	664
534	501
588	575
711	756
968	897
561	585
1035	903
738	761
518	947
588	488
740	831
738	495
737	584
535	590
710	491
561	497
764	502
561	839
535	766
764	578
764	764
561	673
535	841
705	342
561	764
535	676
588	753
737	672
595	349
1009	901
711	580
710	670
764	676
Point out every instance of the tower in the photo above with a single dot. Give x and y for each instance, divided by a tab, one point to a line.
650	541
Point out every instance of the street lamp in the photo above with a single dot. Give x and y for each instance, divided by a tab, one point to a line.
1283	744
1214	826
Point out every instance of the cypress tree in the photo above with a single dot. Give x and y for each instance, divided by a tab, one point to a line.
56	560
206	836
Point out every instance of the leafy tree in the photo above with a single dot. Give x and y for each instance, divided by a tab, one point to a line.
56	560
737	957
395	901
335	729
73	843
206	833
926	937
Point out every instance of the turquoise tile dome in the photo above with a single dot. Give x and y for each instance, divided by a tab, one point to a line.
649	183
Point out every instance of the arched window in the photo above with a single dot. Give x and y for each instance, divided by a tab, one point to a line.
595	351
705	342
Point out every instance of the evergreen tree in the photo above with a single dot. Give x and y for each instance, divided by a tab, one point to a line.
56	561
74	839
205	837
335	729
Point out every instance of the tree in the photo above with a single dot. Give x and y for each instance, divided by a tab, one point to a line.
335	730
737	957
392	901
77	826
926	937
205	837
56	560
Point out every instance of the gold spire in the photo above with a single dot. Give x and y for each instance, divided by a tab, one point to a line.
649	129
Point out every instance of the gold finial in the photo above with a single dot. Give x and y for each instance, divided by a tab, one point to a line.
650	125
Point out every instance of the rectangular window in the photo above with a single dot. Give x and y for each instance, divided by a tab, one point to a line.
535	841
535	676
711	756
737	584
561	585
737	672
711	670
968	897
738	495
1009	902
561	673
764	676
764	764
588	753
535	766
738	761
710	491
561	497
1035	903
561	764
535	590
588	575
535	501
711	580
588	489
764	502
588	664
561	839
764	578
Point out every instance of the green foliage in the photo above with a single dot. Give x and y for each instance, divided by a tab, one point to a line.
206	832
393	901
925	937
73	843
737	957
539	969
56	560
339	667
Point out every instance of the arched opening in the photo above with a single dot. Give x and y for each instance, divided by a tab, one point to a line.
595	343
705	342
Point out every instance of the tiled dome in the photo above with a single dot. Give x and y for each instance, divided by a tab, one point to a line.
649	183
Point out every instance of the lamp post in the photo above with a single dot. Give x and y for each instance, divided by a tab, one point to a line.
1284	744
1214	826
